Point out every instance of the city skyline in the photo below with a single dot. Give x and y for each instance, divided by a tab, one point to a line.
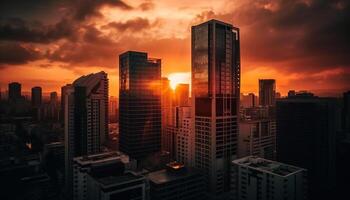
294	58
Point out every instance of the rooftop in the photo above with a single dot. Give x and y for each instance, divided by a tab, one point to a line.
267	166
102	157
111	179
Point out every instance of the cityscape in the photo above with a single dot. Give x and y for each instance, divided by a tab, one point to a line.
115	119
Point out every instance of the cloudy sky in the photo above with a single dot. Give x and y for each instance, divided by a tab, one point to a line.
303	44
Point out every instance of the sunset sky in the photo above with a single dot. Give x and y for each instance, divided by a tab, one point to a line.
303	44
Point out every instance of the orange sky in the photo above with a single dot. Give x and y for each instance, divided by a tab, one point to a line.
78	40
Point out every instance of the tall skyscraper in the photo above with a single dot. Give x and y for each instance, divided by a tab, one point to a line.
306	137
36	96
182	92
267	92
14	91
258	178
86	118
215	99
167	95
139	104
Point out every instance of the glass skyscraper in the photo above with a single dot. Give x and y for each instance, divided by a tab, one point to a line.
215	96
140	104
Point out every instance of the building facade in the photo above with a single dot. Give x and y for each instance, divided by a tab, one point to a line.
215	101
36	97
139	104
258	178
267	92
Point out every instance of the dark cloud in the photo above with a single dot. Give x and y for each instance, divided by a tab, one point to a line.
87	8
132	25
16	29
15	53
148	5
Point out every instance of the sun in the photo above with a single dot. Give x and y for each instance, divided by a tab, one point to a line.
179	77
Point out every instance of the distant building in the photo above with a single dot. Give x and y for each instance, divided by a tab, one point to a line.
14	92
182	92
111	185
113	109
176	182
215	101
257	137
248	101
306	137
86	118
167	96
36	97
139	104
267	92
257	178
104	162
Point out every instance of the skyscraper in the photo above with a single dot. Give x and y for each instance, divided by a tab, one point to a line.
182	92
306	137
36	96
14	91
267	92
215	99
139	104
86	118
167	95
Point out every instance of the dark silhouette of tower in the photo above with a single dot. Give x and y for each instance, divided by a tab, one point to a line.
36	96
14	91
139	104
267	92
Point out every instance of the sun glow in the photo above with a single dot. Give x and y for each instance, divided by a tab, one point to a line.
177	78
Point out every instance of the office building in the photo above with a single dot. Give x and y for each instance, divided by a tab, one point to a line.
248	101
176	182
167	96
267	92
14	93
182	92
257	137
215	101
112	185
86	118
306	137
36	97
139	104
83	165
113	109
257	178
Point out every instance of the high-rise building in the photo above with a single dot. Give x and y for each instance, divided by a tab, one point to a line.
248	101
86	118
215	99
167	114
36	96
139	104
98	162
53	97
257	137
306	137
113	109
267	92
176	182
258	178
14	91
182	92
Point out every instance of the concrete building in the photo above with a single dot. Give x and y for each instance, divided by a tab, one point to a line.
14	92
267	92
114	161
85	120
215	101
114	186
139	104
176	182
257	178
36	97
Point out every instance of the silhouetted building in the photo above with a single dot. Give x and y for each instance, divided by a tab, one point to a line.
36	96
257	137
139	104
111	185
86	118
182	92
176	182
346	114
14	93
53	97
267	92
167	113
113	109
215	95
248	101
104	162
258	178
306	137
